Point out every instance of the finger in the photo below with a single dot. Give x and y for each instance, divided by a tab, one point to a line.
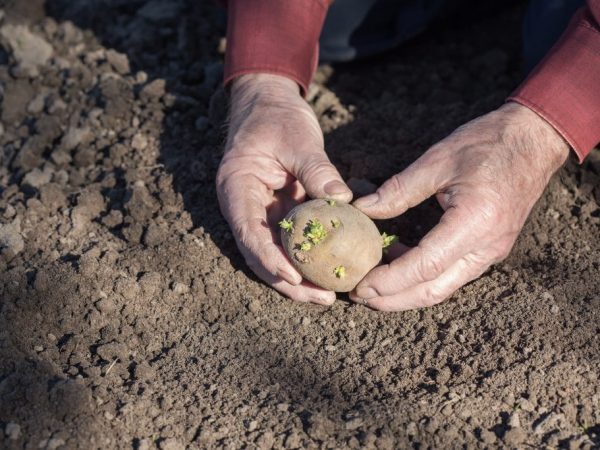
404	190
318	176
432	292
449	241
303	292
396	250
242	202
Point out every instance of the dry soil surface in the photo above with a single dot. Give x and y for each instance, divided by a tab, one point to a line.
129	320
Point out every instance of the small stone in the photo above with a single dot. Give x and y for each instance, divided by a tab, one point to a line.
30	51
447	410
351	324
353	423
283	407
119	61
76	136
179	288
411	429
37	178
526	405
139	142
330	348
36	105
38	348
11	241
9	211
153	90
141	77
488	437
265	441
254	306
106	306
202	123
143	444
171	444
12	431
515	437
554	309
252	425
54	443
514	420
305	321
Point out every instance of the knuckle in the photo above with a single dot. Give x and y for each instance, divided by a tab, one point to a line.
430	268
315	169
432	296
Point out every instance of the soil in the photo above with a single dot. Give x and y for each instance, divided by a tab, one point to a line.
129	320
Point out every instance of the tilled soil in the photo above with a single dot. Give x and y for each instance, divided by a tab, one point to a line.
129	320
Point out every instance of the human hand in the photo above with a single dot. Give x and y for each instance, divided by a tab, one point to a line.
274	157
487	176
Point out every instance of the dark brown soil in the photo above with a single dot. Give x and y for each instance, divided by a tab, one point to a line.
129	320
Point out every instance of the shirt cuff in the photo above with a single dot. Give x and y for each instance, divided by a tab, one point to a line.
274	36
564	89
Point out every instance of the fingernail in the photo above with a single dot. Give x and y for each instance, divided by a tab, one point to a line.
367	201
335	188
293	279
366	293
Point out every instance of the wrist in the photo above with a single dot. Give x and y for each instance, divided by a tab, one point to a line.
262	83
537	134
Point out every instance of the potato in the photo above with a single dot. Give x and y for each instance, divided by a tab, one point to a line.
333	245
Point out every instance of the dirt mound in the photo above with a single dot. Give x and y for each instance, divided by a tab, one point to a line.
129	320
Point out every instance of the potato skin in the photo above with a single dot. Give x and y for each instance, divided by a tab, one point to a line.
354	244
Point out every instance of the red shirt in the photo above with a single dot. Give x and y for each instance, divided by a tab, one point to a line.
281	37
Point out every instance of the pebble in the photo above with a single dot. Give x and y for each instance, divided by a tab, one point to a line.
36	105
38	348
515	420
252	425
139	142
526	405
153	90
119	61
283	407
515	437
143	444
351	324
30	51
12	431
488	437
75	136
51	444
11	241
171	444
106	305
305	321
38	178
179	288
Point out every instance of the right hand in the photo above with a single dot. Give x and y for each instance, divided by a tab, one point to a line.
274	157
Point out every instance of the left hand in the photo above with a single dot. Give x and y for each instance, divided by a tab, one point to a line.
487	176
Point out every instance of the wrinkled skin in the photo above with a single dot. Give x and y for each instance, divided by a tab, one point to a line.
274	157
487	176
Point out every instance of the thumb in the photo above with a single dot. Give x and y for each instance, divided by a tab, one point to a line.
320	178
404	190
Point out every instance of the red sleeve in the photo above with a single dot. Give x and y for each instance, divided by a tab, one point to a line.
565	87
274	36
